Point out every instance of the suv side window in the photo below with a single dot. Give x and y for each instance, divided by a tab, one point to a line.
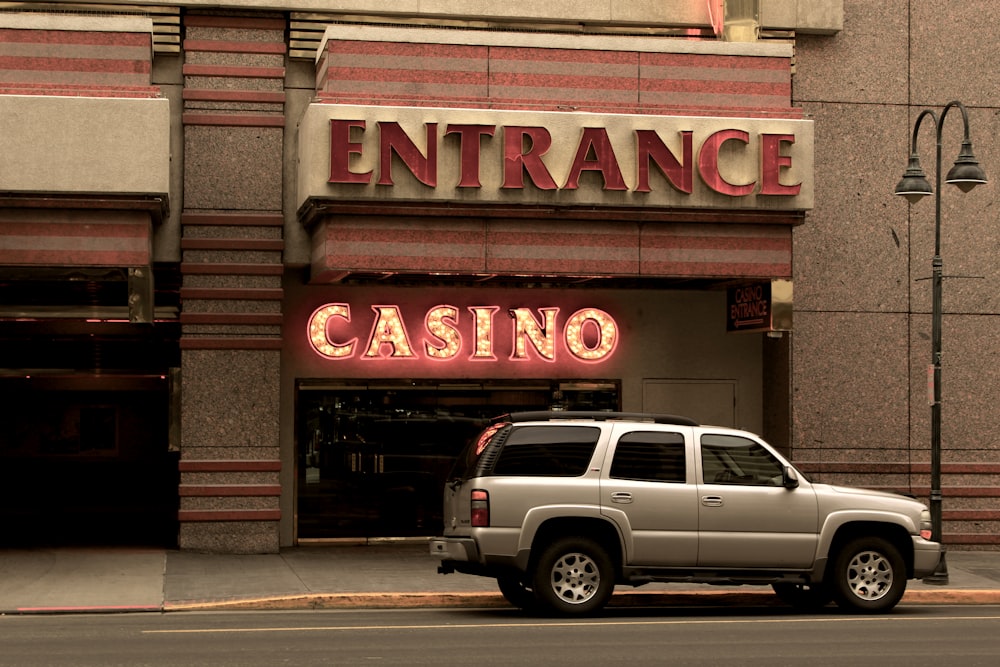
551	451
650	456
730	459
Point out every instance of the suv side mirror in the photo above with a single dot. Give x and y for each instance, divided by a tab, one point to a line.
789	478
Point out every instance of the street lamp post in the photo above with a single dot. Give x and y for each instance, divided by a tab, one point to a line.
966	174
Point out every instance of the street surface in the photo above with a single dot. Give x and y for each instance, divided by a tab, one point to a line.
912	635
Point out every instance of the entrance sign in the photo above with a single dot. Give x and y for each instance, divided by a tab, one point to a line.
350	152
449	333
762	306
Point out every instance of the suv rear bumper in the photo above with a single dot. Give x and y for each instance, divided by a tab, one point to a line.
926	555
455	548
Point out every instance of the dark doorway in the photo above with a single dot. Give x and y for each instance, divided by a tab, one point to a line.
373	460
85	461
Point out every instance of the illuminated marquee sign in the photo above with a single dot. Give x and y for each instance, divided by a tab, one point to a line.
384	153
448	333
523	148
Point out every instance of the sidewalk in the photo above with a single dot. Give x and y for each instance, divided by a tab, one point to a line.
93	580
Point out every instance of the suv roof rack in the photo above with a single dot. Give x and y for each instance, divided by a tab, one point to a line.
542	415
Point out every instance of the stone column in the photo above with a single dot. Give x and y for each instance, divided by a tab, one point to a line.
231	295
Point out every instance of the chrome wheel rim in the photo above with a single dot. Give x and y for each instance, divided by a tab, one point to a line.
575	578
869	575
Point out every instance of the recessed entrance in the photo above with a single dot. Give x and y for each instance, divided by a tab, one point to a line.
373	459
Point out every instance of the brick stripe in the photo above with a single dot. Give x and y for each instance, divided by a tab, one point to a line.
75	244
666	250
716	250
56	62
70	37
422	74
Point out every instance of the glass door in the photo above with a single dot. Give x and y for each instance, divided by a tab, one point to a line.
372	460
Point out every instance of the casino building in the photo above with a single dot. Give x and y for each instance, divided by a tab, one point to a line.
266	266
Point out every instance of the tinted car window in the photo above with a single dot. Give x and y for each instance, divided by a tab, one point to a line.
555	451
729	459
650	456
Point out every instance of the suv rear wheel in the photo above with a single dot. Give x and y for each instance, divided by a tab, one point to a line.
807	597
868	575
515	592
574	576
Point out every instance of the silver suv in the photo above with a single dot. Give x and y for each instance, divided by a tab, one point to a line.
559	507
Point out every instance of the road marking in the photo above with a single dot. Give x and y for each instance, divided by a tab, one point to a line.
576	624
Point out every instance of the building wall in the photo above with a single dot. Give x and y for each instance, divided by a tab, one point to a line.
862	341
856	380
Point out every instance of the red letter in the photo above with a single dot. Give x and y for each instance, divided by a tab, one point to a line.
595	142
392	139
649	145
517	158
771	164
469	136
708	163
341	148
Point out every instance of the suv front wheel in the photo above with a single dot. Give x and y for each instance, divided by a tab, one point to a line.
869	575
574	576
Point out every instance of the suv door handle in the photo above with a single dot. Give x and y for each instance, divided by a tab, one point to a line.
623	497
711	501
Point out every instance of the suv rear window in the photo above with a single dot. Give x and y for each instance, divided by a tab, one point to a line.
552	451
650	456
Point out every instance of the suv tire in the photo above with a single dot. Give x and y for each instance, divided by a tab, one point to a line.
574	576
868	575
515	592
807	597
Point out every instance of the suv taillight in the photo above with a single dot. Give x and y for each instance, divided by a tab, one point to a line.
480	508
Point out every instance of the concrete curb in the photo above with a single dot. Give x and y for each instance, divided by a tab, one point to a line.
631	599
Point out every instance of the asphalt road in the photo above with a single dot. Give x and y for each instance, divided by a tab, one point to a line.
911	636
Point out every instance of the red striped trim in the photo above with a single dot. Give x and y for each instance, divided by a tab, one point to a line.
87	65
229	515
233	22
73	37
526	77
90	243
528	54
234	71
232	119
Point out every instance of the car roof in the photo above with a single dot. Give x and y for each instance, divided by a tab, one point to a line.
583	415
